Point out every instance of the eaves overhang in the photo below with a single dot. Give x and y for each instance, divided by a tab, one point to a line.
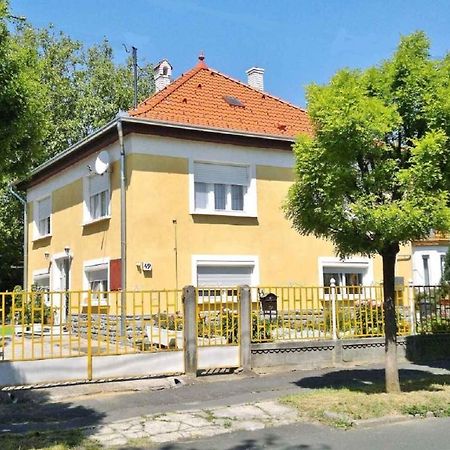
108	134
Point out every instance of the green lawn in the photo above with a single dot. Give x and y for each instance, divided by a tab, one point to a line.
6	330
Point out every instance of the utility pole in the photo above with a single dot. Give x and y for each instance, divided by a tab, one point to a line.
135	79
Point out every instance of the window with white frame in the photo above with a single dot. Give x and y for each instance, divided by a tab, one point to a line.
97	197
42	281
348	277
97	280
218	276
43	217
223	189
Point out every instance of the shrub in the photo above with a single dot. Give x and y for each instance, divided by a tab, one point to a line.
369	318
30	308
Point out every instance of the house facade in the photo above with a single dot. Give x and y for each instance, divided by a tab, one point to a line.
192	194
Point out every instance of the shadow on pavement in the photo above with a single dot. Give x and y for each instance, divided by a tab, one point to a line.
266	442
30	419
372	380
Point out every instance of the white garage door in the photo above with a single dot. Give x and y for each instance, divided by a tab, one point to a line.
227	276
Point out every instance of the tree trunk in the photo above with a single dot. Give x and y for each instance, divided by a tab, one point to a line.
390	321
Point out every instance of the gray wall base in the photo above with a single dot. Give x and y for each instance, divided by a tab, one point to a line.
329	353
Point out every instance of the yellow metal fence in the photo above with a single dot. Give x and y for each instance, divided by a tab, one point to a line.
217	316
39	324
343	312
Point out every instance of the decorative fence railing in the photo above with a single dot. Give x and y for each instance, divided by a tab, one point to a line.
42	325
336	312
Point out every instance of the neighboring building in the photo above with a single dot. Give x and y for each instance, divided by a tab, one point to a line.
429	259
208	167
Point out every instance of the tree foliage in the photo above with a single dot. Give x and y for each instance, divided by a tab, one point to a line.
84	87
376	173
21	98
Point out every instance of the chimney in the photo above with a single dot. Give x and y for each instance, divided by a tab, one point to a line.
162	73
256	78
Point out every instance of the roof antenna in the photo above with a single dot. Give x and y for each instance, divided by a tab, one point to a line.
135	76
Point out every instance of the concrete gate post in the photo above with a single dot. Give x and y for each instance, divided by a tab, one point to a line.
245	327
190	330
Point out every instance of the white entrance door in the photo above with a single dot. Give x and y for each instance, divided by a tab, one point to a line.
60	301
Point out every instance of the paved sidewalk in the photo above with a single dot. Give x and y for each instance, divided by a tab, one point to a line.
200	423
114	413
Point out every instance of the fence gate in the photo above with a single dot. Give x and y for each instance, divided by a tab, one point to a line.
218	327
62	336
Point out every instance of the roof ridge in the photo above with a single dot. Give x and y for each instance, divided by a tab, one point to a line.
256	90
166	91
150	102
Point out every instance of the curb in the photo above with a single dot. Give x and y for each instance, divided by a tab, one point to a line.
386	420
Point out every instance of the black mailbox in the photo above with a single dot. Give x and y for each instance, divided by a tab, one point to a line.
269	304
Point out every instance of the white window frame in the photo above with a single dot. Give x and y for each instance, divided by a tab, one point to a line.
92	266
36	219
87	216
364	265
42	273
226	260
250	197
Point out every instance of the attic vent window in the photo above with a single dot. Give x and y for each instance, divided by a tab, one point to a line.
233	101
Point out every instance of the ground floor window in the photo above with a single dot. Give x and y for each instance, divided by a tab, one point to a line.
220	278
97	280
349	276
42	281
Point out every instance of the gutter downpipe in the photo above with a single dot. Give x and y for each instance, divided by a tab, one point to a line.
25	235
123	231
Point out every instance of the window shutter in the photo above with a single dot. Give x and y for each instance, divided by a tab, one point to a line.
227	276
98	183
115	274
221	174
44	208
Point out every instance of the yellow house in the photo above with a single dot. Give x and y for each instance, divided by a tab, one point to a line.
187	188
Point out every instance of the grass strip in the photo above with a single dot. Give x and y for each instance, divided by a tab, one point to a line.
48	440
341	406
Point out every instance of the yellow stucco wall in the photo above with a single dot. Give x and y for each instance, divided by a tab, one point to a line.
158	193
92	241
160	189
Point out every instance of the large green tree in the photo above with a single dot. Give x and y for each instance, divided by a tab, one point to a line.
21	131
21	96
53	92
84	87
376	173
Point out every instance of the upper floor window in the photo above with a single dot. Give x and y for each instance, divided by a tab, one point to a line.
97	197
223	189
42	217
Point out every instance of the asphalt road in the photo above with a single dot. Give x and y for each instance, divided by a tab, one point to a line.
417	434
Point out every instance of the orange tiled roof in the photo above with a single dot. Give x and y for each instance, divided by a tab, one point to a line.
198	98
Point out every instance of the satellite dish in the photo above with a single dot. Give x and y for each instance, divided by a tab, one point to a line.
102	162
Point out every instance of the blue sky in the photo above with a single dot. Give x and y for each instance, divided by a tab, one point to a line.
297	41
